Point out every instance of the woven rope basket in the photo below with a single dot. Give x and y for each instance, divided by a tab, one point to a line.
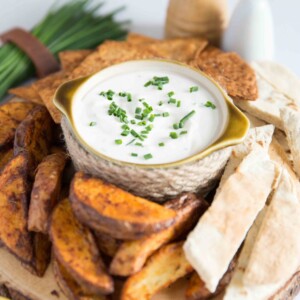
157	184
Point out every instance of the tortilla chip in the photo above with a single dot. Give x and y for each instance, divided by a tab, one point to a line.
47	88
71	59
136	38
27	93
231	72
110	53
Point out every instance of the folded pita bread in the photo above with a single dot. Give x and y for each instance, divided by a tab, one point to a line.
211	246
280	77
272	217
256	136
291	124
275	254
267	106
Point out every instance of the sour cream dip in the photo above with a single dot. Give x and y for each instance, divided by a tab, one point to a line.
148	116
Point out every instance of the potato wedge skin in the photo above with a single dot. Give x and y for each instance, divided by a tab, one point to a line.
107	244
45	191
34	136
109	209
14	195
69	286
42	255
162	269
196	289
132	255
75	248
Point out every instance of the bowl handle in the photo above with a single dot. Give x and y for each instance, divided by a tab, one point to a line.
64	95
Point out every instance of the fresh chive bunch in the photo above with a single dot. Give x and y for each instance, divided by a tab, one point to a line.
75	25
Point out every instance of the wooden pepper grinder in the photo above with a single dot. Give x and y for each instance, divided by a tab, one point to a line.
202	18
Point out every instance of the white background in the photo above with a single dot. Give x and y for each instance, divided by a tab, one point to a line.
148	17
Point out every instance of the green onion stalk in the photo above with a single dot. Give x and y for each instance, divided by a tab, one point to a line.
75	25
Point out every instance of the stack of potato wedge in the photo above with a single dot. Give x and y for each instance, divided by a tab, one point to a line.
106	243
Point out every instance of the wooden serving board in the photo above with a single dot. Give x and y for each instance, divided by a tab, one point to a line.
14	276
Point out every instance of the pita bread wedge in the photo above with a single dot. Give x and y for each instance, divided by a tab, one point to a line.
291	125
267	106
220	232
278	236
257	136
270	280
280	77
136	38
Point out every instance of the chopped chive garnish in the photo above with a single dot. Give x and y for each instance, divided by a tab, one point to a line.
125	132
170	94
157	81
134	133
183	132
139	117
173	135
178	103
142	123
129	97
132	141
210	104
194	89
149	127
151	118
125	127
160	103
139	144
118	142
138	110
122	94
144	132
184	119
157	115
142	99
172	101
144	136
175	126
109	94
148	156
134	154
132	121
165	114
92	124
161	144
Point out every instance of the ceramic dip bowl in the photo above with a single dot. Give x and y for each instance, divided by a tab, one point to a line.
155	128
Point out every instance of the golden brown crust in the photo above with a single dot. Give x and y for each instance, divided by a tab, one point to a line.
109	209
75	248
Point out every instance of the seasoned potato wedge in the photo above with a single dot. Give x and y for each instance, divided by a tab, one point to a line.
109	209
45	191
34	136
17	110
8	128
14	192
196	289
107	244
162	269
75	248
41	255
69	286
5	156
132	255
